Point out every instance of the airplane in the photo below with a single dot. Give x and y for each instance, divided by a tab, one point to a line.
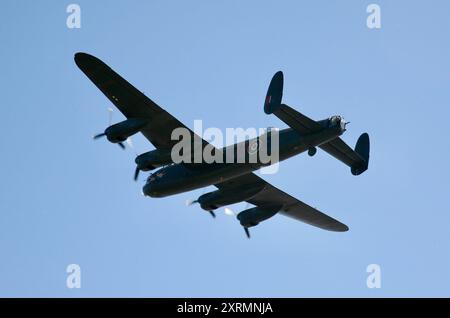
235	182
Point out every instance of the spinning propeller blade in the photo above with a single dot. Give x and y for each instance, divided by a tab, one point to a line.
136	173
190	202
99	136
110	112
229	212
103	134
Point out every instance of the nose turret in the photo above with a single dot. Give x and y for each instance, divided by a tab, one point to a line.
338	121
150	190
343	124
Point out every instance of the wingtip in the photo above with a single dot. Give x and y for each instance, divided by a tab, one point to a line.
79	57
86	61
338	227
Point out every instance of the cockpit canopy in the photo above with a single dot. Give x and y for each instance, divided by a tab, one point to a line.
158	173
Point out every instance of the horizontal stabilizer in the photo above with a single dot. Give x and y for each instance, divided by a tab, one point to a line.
357	160
296	120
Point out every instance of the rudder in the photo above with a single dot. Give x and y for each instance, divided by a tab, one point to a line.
274	93
362	148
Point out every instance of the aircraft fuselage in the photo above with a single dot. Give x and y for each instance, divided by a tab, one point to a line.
182	177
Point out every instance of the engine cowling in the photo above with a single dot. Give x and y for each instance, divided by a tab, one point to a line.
153	159
121	131
254	216
216	199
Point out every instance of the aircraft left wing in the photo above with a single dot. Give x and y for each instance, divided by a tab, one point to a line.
131	102
291	206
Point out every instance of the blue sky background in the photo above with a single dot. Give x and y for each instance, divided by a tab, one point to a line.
67	199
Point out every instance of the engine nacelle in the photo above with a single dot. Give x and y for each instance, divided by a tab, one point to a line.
216	199
254	216
121	131
153	159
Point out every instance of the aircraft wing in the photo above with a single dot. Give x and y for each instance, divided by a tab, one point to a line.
292	207
131	102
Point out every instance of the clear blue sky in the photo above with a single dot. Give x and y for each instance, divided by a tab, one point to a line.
67	199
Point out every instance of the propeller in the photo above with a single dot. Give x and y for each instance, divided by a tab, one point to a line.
121	145
247	232
212	214
130	144
136	173
99	136
103	134
128	141
110	113
191	202
230	212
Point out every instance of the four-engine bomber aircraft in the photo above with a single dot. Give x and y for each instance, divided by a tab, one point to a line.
235	181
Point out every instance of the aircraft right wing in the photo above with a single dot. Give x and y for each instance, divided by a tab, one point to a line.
291	206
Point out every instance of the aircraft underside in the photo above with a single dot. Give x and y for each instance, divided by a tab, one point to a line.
235	181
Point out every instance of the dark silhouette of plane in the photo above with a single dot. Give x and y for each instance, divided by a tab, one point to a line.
236	182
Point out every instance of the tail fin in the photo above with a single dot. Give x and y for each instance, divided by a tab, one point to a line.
362	148
274	93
